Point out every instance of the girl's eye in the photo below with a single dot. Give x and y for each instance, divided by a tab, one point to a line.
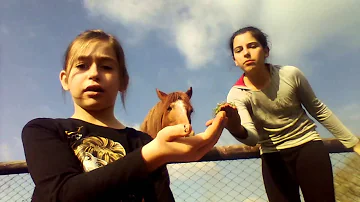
81	66
253	45
237	50
107	67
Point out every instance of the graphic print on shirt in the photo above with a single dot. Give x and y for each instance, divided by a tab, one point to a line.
95	151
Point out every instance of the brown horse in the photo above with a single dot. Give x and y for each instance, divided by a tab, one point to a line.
173	108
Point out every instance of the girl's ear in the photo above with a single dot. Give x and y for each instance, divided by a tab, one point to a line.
63	79
267	51
236	64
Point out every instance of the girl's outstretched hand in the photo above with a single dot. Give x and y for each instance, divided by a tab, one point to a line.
233	124
172	145
356	148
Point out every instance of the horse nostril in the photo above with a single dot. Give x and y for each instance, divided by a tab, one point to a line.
192	133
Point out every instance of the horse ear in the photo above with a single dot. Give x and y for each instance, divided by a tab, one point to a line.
189	92
161	95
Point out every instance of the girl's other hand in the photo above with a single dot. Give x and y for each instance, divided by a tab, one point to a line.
356	148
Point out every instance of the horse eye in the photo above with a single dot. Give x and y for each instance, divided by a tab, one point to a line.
169	108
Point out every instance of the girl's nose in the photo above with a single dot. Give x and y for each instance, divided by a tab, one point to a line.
246	53
93	72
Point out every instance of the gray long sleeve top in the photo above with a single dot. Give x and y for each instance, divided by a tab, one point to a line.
276	116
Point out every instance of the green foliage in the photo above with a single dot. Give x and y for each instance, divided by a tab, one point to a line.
219	105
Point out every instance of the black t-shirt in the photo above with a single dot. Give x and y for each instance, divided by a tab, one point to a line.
73	160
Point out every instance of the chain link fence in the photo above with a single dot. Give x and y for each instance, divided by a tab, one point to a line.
16	187
214	181
229	180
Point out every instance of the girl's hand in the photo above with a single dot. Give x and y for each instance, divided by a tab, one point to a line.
233	124
356	148
171	145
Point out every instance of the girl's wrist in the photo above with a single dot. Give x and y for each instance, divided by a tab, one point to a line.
239	132
153	156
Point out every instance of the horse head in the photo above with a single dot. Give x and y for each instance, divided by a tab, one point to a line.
172	109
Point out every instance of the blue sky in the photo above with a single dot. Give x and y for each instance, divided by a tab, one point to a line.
172	46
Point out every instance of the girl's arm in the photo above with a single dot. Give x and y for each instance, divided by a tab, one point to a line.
321	112
58	174
159	179
161	184
239	98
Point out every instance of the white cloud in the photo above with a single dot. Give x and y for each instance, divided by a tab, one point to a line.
298	27
17	142
139	12
5	154
199	29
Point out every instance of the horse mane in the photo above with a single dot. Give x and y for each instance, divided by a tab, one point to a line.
152	123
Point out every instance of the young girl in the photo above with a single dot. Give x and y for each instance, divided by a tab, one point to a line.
92	156
269	101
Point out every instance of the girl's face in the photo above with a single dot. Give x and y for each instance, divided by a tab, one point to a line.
248	52
92	77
